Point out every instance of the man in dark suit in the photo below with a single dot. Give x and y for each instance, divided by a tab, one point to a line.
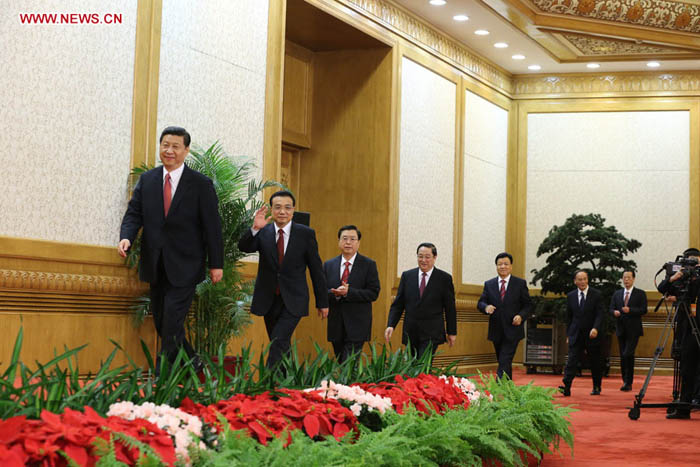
353	284
584	308
627	307
179	212
506	300
427	295
286	249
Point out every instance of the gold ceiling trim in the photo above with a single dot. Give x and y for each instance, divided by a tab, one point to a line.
592	46
599	84
412	27
659	14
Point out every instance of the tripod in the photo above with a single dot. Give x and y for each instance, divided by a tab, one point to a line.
682	307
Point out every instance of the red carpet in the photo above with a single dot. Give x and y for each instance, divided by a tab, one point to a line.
605	436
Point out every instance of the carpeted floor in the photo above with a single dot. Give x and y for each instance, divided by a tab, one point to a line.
605	436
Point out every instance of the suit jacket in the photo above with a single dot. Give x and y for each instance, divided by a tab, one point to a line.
582	321
354	311
190	233
302	252
629	324
515	302
427	316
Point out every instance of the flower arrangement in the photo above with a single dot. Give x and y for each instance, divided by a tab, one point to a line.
181	426
73	434
355	395
468	388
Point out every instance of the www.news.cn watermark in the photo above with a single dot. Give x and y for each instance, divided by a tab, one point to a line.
70	18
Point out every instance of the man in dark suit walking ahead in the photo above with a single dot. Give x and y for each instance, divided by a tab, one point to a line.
627	307
353	284
179	212
506	300
286	249
584	308
427	295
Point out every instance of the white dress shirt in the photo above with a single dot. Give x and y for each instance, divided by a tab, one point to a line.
175	176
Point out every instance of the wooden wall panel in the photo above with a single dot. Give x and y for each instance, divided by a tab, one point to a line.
298	95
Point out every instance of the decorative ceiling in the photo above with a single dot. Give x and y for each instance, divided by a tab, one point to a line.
565	36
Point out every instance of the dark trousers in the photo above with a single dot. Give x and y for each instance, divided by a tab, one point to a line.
505	350
628	344
419	347
344	349
170	305
280	325
592	346
690	354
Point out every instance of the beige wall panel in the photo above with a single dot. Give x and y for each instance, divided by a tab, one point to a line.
631	167
212	73
427	164
66	110
485	177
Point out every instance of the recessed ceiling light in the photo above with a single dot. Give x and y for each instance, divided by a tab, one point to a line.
500	45
437	2
653	64
534	67
481	32
460	17
518	57
593	65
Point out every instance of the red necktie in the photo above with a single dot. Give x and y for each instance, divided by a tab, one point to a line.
280	253
167	195
346	273
627	296
422	285
280	245
503	288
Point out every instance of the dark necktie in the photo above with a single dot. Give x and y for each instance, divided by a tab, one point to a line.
167	195
421	289
503	288
346	273
627	297
582	301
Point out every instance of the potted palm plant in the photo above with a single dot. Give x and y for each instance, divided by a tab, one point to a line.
219	311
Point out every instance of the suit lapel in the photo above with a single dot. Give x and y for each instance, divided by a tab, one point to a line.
429	286
355	266
158	185
335	272
268	238
183	186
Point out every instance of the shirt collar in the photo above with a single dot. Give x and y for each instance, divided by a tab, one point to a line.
629	290
507	279
351	260
175	174
585	291
287	228
427	274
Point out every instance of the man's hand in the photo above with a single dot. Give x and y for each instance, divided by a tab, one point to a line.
625	309
676	276
216	275
490	309
261	216
451	340
123	247
322	313
671	298
593	334
388	332
616	313
341	291
517	320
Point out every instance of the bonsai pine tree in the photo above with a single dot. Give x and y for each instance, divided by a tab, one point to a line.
584	242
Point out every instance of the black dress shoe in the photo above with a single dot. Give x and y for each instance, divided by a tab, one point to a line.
626	387
678	415
595	391
566	390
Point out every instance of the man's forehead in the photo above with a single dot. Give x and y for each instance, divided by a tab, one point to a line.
282	200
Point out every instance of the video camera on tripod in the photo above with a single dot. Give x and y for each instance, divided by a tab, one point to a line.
689	268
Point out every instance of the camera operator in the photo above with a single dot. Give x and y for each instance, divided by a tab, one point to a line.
682	288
